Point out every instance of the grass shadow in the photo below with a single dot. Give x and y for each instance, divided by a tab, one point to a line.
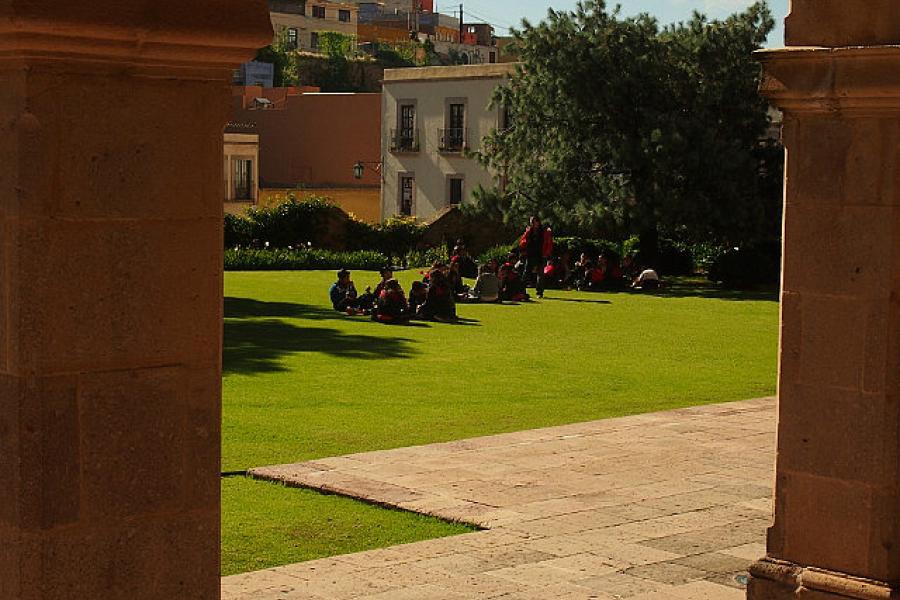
687	287
714	292
578	300
257	346
246	308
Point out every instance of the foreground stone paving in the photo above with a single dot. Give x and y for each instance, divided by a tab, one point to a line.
665	506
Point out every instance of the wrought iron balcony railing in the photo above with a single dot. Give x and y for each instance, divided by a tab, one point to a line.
404	140
453	139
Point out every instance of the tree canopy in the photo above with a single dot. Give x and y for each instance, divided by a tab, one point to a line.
620	126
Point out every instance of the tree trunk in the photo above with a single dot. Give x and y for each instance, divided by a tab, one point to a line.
649	247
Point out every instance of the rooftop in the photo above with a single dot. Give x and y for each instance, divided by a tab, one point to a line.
486	71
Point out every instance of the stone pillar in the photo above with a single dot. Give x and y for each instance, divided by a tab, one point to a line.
111	119
837	509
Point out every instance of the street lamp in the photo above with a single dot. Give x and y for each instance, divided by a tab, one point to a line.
359	169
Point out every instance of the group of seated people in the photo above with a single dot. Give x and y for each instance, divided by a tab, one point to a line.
436	295
432	298
606	272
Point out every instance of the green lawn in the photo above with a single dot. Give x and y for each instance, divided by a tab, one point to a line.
265	525
303	382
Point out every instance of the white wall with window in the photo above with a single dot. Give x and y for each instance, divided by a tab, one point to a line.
432	119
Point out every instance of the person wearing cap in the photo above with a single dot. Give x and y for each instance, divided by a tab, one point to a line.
387	273
344	297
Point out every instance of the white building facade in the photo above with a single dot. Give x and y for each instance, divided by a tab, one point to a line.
433	118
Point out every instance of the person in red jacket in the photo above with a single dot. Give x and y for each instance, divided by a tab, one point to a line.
537	245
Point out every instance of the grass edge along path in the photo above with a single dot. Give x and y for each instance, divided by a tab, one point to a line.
266	525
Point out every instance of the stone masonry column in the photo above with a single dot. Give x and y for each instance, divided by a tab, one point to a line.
837	508
111	118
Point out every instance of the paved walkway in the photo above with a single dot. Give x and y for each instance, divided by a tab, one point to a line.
665	506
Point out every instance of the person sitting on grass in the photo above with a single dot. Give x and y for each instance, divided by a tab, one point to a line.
648	280
391	308
454	278
344	297
487	286
467	266
494	266
553	274
512	286
439	304
436	266
418	293
387	273
594	276
580	269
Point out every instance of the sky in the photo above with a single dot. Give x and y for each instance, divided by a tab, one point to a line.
505	13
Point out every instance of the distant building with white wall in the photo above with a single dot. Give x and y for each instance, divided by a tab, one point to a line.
432	119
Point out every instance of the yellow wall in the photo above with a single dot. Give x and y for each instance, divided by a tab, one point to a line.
363	203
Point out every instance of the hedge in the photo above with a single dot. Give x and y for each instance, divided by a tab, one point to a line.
275	259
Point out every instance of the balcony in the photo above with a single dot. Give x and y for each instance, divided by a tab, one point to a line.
404	140
453	139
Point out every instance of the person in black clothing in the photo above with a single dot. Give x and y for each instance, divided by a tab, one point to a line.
467	266
512	286
387	273
391	308
454	278
418	293
440	304
537	243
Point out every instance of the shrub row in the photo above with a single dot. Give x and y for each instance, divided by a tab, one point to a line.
396	237
276	259
316	234
318	223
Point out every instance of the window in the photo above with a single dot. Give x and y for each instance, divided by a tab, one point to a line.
344	16
407	194
406	132
455	190
243	179
314	40
457	118
292	38
454	136
318	12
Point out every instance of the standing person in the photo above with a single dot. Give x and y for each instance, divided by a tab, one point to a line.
537	244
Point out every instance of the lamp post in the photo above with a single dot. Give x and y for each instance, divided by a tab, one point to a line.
359	169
